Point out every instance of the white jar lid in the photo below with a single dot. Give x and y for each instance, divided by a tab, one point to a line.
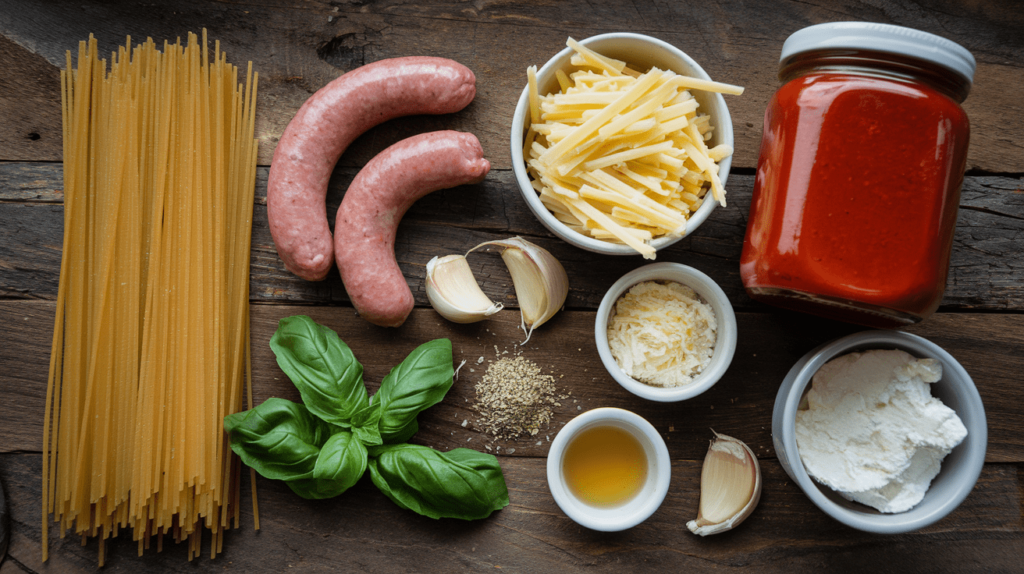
882	38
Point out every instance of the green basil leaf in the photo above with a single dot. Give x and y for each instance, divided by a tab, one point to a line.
279	438
313	489
365	425
405	433
322	367
417	383
306	488
341	464
460	483
342	459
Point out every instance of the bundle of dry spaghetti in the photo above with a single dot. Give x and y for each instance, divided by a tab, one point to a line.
151	339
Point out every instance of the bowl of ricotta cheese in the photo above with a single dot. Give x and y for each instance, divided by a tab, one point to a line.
883	430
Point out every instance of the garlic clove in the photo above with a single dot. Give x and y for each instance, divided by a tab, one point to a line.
530	285
540	281
730	486
454	293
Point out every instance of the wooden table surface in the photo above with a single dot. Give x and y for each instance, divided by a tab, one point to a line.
297	47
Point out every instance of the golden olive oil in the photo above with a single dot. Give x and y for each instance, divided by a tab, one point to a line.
605	466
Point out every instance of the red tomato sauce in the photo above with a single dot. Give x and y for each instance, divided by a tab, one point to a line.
855	200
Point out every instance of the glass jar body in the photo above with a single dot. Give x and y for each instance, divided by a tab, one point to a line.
858	184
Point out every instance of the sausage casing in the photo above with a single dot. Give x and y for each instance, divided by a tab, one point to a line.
325	126
364	231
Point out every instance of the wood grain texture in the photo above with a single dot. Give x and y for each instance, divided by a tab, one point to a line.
989	346
298	48
987	268
361	531
30	100
5	523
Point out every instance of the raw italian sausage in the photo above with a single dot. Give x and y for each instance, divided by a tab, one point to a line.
364	232
326	124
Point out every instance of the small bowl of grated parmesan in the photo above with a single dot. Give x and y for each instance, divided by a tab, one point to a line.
665	332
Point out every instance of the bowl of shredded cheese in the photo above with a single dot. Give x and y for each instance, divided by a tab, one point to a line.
621	144
665	332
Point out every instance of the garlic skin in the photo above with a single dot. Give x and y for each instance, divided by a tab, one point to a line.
540	281
454	293
730	484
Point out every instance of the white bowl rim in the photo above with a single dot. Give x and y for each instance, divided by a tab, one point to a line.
723	127
788	400
627	519
725	344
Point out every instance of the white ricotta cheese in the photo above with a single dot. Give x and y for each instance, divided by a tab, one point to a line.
662	334
872	430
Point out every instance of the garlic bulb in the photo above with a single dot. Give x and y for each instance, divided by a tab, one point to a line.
454	292
730	486
540	281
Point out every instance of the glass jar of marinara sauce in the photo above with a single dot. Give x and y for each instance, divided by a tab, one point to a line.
859	176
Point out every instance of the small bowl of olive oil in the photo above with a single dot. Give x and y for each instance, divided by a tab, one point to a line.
608	469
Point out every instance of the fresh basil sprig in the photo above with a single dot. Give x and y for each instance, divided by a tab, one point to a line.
323	447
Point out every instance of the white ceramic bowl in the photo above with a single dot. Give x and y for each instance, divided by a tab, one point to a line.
960	469
725	345
641	52
637	509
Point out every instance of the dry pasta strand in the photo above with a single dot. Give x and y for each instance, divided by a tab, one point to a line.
151	339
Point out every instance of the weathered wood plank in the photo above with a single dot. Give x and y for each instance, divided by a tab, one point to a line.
991	348
299	48
30	100
987	269
361	531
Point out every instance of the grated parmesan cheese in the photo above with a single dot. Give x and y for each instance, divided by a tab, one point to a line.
662	334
